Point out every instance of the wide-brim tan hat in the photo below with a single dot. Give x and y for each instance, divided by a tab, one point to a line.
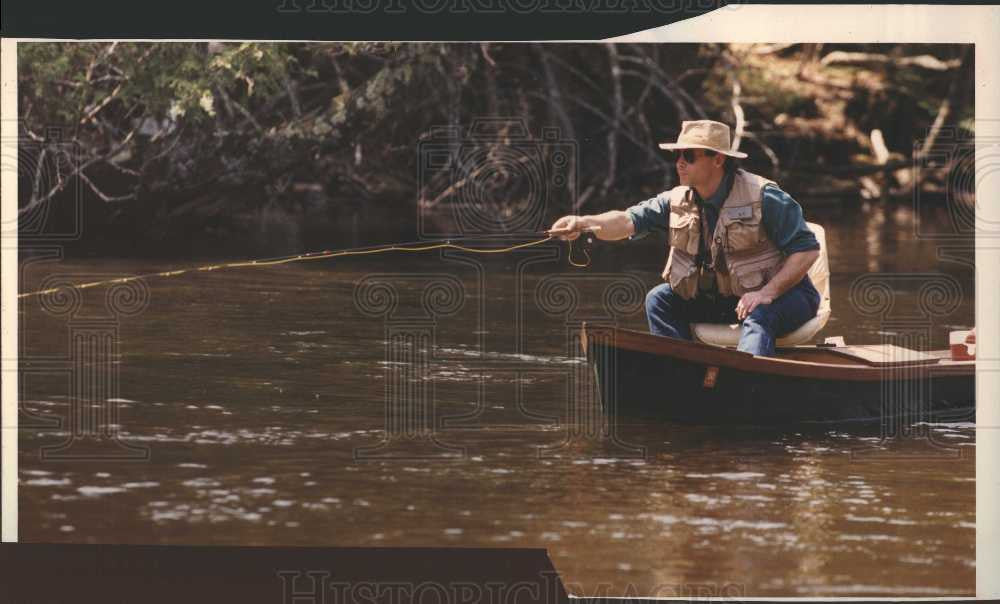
704	134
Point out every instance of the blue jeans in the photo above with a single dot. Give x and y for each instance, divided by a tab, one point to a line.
670	315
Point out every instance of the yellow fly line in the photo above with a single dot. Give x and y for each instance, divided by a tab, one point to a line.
317	256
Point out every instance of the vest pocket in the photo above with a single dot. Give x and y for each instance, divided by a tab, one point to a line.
684	232
682	274
751	281
745	233
753	275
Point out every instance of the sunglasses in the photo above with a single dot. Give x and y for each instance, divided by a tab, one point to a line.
690	155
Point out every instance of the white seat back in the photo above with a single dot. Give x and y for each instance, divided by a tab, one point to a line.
819	272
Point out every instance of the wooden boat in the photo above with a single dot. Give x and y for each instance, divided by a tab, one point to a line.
646	376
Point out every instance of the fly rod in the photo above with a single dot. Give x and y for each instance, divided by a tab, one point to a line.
414	246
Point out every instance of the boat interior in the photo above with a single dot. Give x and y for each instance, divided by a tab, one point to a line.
871	355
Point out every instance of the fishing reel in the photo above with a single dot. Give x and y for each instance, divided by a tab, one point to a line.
586	243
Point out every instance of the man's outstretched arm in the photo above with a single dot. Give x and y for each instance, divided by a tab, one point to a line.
634	223
611	226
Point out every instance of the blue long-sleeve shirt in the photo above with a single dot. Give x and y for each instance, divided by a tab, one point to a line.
780	214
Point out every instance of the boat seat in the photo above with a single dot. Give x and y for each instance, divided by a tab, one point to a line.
721	334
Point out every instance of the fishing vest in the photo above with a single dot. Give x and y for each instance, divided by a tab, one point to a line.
743	256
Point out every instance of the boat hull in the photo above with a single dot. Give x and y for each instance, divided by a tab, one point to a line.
647	377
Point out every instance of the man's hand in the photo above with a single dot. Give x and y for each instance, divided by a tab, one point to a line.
750	301
567	228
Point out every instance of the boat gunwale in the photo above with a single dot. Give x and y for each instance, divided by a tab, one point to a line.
709	355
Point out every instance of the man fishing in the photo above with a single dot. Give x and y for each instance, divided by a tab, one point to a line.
739	246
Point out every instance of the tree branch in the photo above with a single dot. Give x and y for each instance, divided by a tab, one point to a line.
243	110
768	151
89	115
617	103
669	80
738	114
555	101
61	182
944	111
105	198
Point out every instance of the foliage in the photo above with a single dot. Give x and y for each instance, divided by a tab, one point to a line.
183	139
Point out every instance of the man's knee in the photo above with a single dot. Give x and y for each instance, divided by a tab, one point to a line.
660	298
764	315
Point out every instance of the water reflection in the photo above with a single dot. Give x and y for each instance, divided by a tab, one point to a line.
254	390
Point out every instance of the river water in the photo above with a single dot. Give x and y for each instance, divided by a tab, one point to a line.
440	400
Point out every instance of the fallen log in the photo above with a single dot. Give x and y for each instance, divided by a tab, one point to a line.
840	57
